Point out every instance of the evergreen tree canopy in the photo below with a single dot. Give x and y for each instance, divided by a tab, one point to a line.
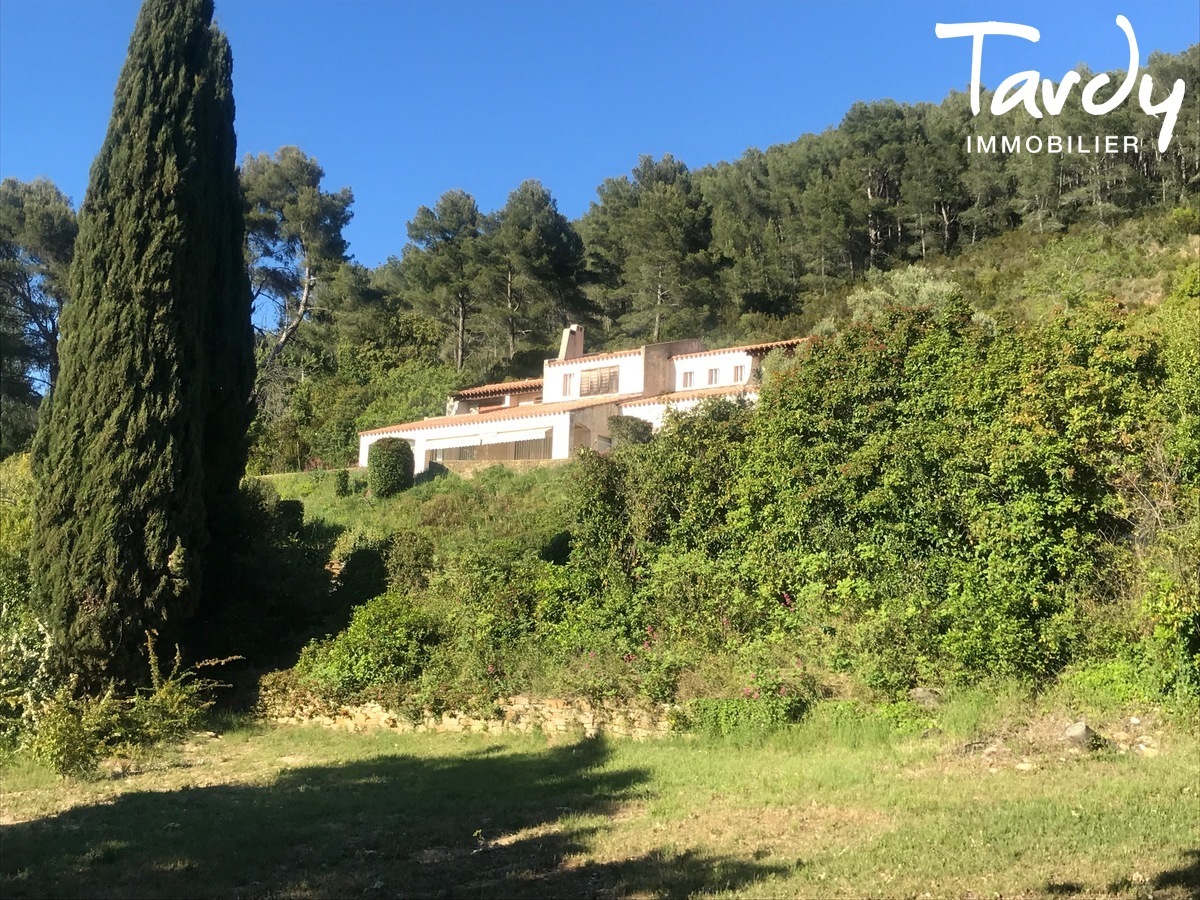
37	239
294	241
443	267
534	265
140	454
648	241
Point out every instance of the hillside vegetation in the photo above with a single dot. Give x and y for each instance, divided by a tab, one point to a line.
960	518
927	496
771	245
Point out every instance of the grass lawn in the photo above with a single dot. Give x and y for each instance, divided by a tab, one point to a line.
304	811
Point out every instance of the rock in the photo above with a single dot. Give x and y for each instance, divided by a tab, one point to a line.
1025	767
930	733
1148	752
1147	740
1134	720
927	698
1083	737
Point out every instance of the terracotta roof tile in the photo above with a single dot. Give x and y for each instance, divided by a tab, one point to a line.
501	387
593	357
509	412
752	349
732	391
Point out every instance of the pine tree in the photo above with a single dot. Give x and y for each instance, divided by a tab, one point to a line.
533	261
143	444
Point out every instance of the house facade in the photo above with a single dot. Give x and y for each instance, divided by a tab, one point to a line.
568	408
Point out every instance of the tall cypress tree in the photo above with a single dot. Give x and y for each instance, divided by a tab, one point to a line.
141	450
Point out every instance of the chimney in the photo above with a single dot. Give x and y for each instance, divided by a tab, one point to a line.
572	342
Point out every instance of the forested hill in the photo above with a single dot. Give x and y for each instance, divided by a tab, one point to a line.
777	231
769	246
781	242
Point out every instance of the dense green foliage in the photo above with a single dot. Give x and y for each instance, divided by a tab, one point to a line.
37	241
138	459
983	465
386	642
771	245
775	244
22	642
390	467
926	496
72	734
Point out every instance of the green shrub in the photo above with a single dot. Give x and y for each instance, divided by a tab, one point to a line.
658	670
258	504
341	483
1102	688
389	467
387	642
358	539
16	504
770	698
596	675
24	679
730	715
173	705
409	561
1184	220
626	430
72	733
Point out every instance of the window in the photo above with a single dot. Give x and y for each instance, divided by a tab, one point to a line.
689	379
568	383
598	381
739	374
452	454
714	376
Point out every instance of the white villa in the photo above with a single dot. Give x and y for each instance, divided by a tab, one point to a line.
569	406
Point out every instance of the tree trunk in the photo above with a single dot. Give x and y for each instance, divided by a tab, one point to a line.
660	294
511	299
303	306
460	329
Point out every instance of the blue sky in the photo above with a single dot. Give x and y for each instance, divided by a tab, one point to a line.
402	101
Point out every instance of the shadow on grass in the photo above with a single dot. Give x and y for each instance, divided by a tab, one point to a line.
494	823
1186	876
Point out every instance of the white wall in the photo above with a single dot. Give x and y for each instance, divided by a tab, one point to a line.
630	376
723	361
471	433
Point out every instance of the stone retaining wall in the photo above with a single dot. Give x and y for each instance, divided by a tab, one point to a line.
514	714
